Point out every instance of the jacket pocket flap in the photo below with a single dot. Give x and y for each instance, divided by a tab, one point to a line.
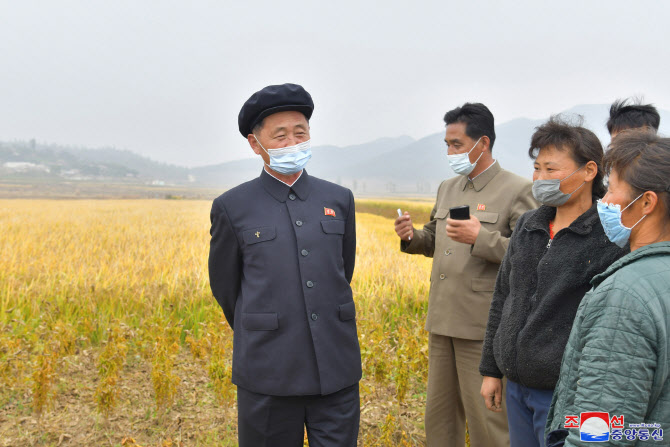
260	234
441	213
485	216
334	226
483	284
347	311
267	321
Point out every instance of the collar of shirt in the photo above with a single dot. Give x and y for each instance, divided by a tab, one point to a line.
483	178
280	190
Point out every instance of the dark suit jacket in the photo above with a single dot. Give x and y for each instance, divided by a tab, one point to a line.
280	263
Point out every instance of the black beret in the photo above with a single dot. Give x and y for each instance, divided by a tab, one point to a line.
273	99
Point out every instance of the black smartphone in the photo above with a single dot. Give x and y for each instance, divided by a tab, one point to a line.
460	212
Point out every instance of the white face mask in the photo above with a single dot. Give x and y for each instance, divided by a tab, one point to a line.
460	163
289	160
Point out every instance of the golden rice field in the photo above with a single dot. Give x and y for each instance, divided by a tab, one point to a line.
109	334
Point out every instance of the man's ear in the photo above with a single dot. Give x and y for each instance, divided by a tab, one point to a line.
254	144
487	143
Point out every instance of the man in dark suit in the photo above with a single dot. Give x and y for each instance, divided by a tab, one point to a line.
280	265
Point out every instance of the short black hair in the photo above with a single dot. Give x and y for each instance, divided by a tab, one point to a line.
631	116
477	118
582	144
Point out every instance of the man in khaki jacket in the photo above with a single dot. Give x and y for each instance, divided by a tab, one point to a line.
466	257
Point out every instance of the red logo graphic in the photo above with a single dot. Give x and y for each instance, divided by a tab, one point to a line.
328	212
616	422
481	207
571	422
594	426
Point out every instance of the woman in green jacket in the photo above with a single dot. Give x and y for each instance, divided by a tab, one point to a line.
614	384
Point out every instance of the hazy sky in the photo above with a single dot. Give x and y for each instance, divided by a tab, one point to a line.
167	79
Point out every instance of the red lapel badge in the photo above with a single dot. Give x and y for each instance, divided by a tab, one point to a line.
481	207
328	212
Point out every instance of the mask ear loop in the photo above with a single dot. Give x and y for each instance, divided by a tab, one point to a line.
634	200
480	156
583	183
627	208
259	143
473	148
573	172
578	188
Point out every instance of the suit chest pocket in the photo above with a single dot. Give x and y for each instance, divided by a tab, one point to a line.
487	217
258	249
331	239
441	213
257	235
333	226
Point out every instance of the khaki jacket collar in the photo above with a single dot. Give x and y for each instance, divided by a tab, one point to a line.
482	179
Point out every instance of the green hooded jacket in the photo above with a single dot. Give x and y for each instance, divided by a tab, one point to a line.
617	359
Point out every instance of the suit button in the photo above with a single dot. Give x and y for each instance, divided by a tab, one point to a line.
304	252
291	196
470	185
310	284
314	317
298	223
442	276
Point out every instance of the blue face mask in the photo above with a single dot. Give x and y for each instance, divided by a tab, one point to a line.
289	160
460	163
610	217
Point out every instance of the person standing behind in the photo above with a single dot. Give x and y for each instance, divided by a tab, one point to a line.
617	359
624	116
281	261
554	253
466	256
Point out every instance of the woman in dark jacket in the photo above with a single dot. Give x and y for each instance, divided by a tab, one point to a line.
553	254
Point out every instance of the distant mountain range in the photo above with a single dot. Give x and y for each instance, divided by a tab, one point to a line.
387	166
28	159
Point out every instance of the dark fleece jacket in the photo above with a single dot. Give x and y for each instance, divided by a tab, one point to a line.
538	290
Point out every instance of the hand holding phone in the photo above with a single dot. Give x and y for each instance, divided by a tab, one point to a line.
460	212
403	227
461	226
